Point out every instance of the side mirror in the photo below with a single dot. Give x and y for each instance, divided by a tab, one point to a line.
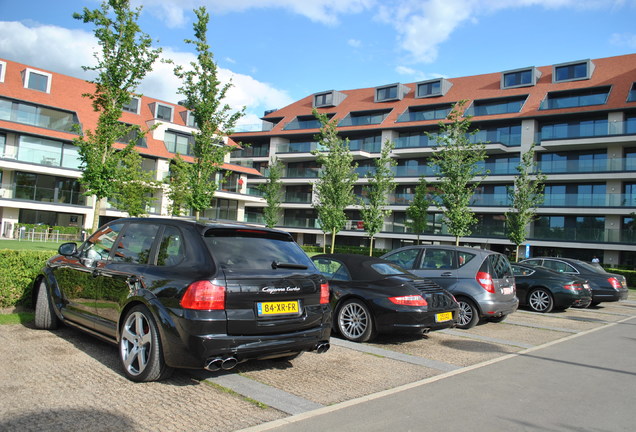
67	249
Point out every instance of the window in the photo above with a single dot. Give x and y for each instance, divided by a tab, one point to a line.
133	105
134	135
3	68
575	98
438	259
171	248
190	120
573	71
99	245
424	113
304	122
49	189
632	94
364	118
37	115
497	106
328	99
323	99
405	259
431	88
509	135
332	269
574	129
36	80
3	142
135	245
178	143
520	78
163	112
390	92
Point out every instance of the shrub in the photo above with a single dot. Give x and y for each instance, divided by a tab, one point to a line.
346	249
18	270
630	275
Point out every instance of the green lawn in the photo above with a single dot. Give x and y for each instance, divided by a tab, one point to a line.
16	318
29	245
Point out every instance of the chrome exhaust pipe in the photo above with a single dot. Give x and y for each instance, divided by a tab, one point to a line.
322	347
214	365
426	331
229	363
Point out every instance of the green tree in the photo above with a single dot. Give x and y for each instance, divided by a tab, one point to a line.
417	211
334	186
456	159
204	95
126	57
273	193
374	209
177	185
137	187
525	196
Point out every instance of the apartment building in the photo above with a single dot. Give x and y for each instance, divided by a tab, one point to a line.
580	114
40	114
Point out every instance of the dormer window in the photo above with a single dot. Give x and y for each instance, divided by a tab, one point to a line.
163	112
133	105
328	99
362	118
432	88
632	94
576	98
3	68
573	71
37	80
524	77
508	105
391	92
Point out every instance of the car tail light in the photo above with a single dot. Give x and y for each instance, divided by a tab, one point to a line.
204	295
324	293
573	287
615	283
485	280
409	300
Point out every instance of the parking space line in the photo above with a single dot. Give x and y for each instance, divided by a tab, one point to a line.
486	338
571	318
271	396
407	358
541	327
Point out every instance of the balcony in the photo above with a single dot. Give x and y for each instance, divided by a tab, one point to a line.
587	166
298	197
45	195
586	129
296	222
301	172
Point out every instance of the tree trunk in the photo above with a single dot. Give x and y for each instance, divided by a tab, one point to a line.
324	242
371	247
97	208
457	241
517	253
333	240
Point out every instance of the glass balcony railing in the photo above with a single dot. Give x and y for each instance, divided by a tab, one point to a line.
301	172
254	218
586	129
415	171
295	222
298	197
252	191
587	166
254	151
45	195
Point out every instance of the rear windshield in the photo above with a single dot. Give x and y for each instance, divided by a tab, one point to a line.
387	269
253	249
500	266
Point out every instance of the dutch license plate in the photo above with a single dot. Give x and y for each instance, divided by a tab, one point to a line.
506	290
277	308
444	316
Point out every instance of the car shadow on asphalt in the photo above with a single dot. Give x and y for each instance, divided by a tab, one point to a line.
454	343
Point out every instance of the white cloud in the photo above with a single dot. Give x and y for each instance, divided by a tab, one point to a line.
355	43
324	11
423	26
48	47
624	39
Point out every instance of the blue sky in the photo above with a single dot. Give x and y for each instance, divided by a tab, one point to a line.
278	51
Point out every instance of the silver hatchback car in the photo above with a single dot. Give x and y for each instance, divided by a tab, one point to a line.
481	280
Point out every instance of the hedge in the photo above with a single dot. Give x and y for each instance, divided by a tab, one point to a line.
346	249
18	270
630	275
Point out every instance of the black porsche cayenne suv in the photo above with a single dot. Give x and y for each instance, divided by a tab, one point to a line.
173	293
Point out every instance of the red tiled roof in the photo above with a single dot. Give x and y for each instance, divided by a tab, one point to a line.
618	72
66	94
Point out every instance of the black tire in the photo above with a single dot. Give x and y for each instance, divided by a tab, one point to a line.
45	317
594	304
140	350
355	322
498	319
540	300
468	314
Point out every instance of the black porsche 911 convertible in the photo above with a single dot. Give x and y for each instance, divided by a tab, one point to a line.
370	296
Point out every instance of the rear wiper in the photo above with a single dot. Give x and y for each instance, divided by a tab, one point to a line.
276	264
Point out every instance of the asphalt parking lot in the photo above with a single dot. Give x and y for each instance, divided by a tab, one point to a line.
65	380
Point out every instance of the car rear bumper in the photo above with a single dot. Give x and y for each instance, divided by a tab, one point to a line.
497	308
413	322
609	296
193	344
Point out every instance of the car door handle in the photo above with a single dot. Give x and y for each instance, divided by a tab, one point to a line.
446	274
